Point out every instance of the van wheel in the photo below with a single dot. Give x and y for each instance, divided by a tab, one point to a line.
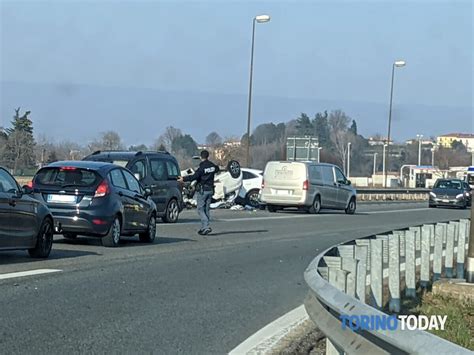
149	235
316	206
351	207
44	240
172	212
112	238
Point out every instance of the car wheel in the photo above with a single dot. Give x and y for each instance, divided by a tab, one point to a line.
44	240
70	235
149	235
351	207
271	208
112	238
432	206
251	198
172	212
233	167
316	206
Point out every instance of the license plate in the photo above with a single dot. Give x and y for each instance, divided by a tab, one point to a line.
445	201
62	198
282	192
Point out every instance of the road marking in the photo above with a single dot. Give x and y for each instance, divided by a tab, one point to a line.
265	339
27	273
397	211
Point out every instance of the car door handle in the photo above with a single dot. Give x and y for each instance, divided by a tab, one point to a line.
12	202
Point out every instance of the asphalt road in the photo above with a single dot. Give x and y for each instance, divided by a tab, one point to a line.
185	293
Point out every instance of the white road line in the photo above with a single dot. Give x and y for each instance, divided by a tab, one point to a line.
27	273
265	339
397	211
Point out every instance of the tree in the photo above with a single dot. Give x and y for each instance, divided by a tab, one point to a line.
137	148
458	146
185	144
340	135
52	157
166	139
304	125
213	139
321	129
109	140
266	133
20	144
353	128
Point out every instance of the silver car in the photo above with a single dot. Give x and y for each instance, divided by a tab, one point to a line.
306	185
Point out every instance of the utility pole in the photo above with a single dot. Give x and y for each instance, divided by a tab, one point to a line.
470	251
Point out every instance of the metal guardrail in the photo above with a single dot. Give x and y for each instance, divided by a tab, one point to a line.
367	194
364	276
392	191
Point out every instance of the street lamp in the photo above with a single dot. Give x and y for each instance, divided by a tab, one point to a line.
432	156
348	159
257	19
419	136
383	166
375	163
396	64
319	154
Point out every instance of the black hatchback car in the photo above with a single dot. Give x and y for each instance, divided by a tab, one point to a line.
450	192
25	223
157	171
96	199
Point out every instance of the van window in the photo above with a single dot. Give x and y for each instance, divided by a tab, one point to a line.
158	169
172	169
339	175
139	168
315	173
328	176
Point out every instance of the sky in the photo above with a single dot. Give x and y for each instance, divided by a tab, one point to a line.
338	51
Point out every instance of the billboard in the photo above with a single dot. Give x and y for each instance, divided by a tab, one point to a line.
302	148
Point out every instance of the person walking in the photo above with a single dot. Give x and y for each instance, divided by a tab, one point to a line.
204	176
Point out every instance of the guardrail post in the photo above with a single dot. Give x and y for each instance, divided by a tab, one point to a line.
361	254
425	256
384	239
394	273
332	349
350	266
461	255
438	251
410	266
449	256
376	272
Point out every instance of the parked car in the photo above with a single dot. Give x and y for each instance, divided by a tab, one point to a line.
251	184
96	199
157	171
25	223
450	192
308	186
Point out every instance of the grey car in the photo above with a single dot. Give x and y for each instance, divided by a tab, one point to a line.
25	223
306	185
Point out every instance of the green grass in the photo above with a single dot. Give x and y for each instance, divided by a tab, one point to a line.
459	327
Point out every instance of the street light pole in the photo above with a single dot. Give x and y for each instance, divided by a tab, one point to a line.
259	19
375	163
432	156
383	167
419	136
319	154
348	159
398	64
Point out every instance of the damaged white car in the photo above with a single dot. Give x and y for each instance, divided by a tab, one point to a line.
227	182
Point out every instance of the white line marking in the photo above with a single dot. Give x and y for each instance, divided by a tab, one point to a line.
27	273
398	211
265	339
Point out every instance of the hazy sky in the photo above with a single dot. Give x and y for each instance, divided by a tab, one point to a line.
330	50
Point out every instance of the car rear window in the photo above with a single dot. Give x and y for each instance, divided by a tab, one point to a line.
67	176
448	184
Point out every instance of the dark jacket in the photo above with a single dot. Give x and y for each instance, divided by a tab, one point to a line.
204	175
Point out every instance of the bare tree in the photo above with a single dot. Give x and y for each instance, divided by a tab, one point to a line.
340	135
167	138
213	139
109	140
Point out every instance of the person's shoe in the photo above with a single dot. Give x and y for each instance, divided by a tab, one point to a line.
206	231
200	232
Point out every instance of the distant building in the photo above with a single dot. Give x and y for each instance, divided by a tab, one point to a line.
467	139
232	144
423	141
378	141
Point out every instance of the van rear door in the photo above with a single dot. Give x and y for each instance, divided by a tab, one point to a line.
329	194
285	180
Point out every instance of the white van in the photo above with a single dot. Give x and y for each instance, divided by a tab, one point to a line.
306	185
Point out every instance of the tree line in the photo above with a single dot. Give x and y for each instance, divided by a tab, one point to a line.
22	153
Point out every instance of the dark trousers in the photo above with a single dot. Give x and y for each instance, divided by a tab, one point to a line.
204	207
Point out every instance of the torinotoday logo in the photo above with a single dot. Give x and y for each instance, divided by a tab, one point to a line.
393	322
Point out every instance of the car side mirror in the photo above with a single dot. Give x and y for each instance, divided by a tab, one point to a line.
342	182
138	176
27	190
148	192
348	182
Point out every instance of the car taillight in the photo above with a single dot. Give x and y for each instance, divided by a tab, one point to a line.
305	185
102	189
263	184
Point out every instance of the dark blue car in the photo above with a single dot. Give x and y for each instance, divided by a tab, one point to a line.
96	199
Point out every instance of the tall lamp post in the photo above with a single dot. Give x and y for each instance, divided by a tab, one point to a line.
383	167
257	19
396	64
348	159
432	156
319	154
419	136
375	163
